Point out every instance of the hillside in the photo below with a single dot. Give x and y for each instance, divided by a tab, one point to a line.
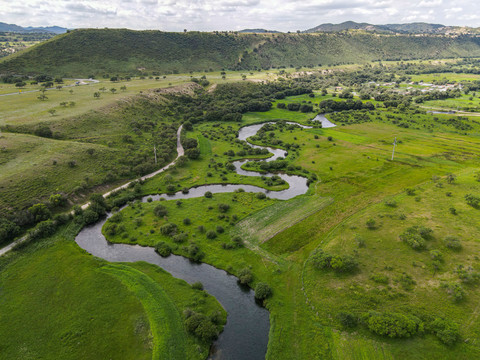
115	51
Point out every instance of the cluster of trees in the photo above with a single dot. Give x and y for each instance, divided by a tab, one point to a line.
202	326
329	105
398	325
229	101
415	236
339	263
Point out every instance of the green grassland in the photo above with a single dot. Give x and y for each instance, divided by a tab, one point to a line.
355	178
355	173
34	167
465	102
26	108
82	153
332	293
65	304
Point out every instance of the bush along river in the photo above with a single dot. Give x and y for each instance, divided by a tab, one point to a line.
245	335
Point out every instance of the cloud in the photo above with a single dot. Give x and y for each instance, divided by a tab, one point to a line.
207	15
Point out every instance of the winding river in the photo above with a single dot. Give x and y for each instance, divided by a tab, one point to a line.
245	336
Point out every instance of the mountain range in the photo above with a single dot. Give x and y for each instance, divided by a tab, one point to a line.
410	28
4	27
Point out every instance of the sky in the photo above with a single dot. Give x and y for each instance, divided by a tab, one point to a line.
209	15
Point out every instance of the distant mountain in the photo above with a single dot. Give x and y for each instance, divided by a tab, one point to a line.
261	31
347	25
416	28
410	28
4	27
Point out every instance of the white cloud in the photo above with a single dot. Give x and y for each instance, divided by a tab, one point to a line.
206	15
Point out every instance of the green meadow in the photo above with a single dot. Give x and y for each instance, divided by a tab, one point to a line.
346	253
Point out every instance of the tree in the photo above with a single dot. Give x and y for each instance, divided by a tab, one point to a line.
193	153
96	95
113	90
262	291
40	212
123	88
70	91
52	112
42	97
245	276
21	84
163	249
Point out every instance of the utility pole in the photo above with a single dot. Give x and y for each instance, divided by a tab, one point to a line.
155	152
394	144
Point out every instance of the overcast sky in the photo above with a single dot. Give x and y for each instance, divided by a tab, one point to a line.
207	15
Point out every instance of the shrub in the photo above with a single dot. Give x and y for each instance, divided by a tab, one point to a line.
393	325
187	221
371	224
379	278
208	195
262	291
8	230
245	276
90	217
180	238
223	207
211	234
220	229
163	249
455	290
197	285
321	260
391	203
446	331
413	237
360	241
410	191
194	252
347	319
261	195
238	241
473	201
169	229
452	242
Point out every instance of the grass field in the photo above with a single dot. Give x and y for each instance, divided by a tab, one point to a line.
65	304
26	108
34	168
356	177
357	181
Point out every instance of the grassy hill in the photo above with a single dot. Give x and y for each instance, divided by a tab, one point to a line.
91	51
